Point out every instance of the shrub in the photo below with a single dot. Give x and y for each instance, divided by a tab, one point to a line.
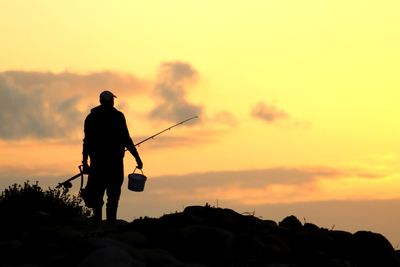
29	204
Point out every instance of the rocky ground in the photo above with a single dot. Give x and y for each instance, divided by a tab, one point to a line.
198	236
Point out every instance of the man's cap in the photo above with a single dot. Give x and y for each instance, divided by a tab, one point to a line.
107	96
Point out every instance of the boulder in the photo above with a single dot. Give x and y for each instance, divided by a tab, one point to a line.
292	223
373	249
208	245
110	257
131	238
159	257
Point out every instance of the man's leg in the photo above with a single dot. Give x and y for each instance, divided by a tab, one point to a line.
98	202
114	192
111	210
95	189
98	214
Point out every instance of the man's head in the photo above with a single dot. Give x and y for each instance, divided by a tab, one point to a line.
107	98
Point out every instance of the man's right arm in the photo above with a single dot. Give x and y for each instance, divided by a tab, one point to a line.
132	149
130	145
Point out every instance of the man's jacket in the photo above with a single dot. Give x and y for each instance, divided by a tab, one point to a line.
106	134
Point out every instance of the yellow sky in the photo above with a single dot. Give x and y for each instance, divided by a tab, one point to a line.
293	84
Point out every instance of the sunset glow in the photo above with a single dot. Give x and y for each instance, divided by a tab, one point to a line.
297	100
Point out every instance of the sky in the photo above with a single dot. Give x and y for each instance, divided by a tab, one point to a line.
297	102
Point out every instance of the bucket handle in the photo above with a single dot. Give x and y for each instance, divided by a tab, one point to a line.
139	169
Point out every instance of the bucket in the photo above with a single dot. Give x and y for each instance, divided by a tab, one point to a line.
136	181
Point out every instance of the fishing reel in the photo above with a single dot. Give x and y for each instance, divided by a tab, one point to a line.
65	185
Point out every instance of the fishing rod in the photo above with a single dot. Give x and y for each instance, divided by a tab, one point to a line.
67	184
167	129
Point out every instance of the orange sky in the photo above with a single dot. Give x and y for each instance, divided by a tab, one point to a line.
298	100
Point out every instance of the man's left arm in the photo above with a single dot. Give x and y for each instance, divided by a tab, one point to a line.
85	146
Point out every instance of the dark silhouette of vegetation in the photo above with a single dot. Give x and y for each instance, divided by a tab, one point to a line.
28	205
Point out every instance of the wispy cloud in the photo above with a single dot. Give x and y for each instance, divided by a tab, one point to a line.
276	185
175	79
268	112
271	114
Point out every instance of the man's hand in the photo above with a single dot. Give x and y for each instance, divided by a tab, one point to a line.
85	167
139	163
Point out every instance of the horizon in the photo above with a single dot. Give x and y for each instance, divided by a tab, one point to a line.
297	102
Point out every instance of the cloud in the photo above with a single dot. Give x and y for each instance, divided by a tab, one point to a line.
175	79
255	187
251	178
271	114
32	114
268	112
73	83
45	105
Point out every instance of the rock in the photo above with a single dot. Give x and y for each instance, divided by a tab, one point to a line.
213	216
181	264
197	237
277	248
131	238
337	263
344	242
292	223
269	223
314	242
100	243
159	257
65	232
278	265
309	227
208	245
372	249
250	248
110	257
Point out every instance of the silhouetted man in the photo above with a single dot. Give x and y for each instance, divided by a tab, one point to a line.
106	137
